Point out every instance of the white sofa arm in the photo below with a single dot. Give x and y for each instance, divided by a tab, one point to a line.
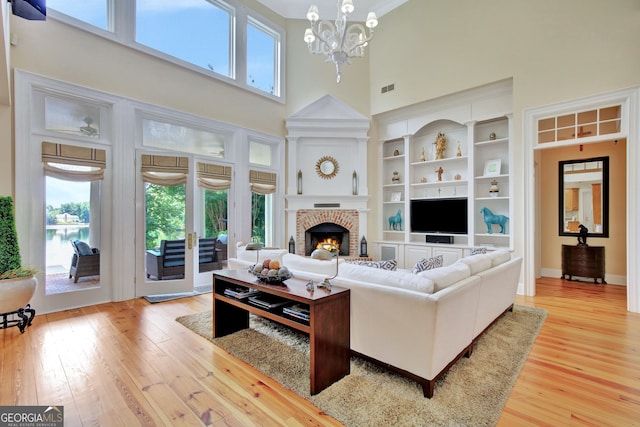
498	291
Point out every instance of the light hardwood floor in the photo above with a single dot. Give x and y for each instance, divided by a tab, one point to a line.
130	363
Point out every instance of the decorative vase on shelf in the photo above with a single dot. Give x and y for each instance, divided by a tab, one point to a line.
492	136
494	190
396	177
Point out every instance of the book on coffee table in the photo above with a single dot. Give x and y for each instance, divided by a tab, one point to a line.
300	311
240	292
268	301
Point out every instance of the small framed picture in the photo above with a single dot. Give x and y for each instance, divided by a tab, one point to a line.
492	167
396	196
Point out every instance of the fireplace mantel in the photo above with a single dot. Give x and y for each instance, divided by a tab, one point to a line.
295	202
327	128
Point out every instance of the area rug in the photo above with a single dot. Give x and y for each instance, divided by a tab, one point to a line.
472	393
169	297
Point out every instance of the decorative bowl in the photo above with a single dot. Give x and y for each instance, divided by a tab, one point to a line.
272	280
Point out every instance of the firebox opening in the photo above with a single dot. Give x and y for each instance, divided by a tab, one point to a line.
327	232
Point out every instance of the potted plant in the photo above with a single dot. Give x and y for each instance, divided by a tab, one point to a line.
17	283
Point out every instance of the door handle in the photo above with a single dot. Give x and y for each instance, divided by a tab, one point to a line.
189	241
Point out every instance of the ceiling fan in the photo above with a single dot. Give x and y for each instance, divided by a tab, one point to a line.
88	130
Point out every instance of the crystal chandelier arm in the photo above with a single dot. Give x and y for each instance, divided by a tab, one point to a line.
356	37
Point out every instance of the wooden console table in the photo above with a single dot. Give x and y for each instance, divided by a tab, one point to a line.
583	261
328	327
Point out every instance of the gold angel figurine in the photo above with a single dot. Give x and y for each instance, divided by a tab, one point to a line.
441	145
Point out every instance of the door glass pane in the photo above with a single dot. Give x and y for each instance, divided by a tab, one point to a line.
69	206
215	227
165	221
215	213
262	218
197	32
258	217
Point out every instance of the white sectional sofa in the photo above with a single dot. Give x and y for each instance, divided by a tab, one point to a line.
420	324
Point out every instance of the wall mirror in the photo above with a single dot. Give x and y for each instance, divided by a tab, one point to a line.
584	196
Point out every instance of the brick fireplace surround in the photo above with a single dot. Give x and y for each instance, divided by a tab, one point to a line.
347	218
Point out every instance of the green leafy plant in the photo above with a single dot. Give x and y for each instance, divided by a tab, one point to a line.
10	262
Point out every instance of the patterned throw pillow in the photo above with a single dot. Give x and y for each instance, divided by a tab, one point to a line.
476	251
391	264
428	264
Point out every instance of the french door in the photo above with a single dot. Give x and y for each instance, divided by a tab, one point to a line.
174	247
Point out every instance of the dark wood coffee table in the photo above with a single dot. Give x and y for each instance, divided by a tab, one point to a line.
327	327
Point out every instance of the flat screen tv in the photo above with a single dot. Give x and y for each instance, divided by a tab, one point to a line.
447	216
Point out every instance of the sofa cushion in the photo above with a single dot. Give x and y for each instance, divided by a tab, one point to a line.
309	265
446	276
499	257
83	248
391	264
267	253
396	279
477	263
424	264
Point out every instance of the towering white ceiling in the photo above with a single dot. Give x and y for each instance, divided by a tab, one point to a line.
297	9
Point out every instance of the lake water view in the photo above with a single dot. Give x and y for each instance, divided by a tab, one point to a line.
58	246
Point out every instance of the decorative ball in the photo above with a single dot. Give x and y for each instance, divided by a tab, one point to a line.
257	268
266	262
274	265
283	273
321	254
264	271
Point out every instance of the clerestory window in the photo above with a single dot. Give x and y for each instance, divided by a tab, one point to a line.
222	39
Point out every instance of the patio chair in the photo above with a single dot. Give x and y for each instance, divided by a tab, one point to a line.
85	261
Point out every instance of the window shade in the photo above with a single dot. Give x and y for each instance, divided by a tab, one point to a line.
164	170
213	177
262	182
54	155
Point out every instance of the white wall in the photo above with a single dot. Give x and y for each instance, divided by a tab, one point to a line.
553	50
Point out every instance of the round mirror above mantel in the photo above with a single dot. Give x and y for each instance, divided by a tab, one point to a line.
327	167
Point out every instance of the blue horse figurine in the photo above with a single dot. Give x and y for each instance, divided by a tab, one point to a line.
395	222
490	218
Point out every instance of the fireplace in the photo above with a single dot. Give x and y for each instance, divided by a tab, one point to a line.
315	225
326	232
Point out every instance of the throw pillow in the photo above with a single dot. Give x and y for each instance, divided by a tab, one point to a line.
391	264
476	251
83	248
428	264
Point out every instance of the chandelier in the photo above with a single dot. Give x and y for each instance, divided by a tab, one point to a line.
338	41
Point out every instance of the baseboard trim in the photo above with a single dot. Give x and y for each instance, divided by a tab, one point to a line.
612	279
